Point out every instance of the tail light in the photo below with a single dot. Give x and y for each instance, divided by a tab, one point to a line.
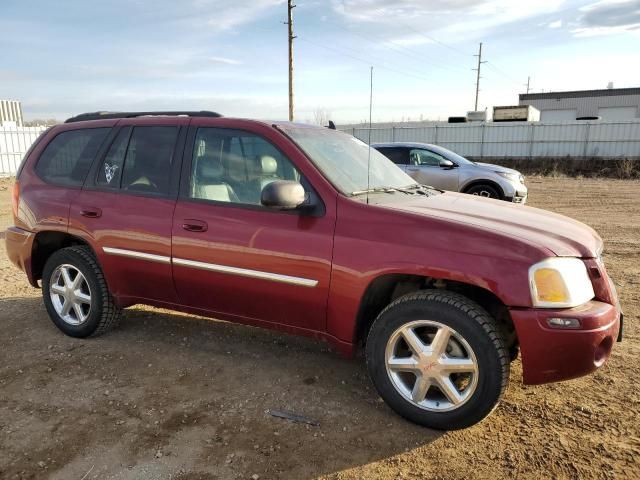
15	199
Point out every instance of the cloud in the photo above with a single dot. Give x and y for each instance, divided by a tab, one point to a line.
556	24
456	21
410	40
229	15
387	11
224	60
608	17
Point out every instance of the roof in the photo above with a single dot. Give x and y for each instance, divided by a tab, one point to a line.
106	115
401	144
606	92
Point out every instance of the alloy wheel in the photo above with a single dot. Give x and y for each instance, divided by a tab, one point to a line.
431	365
70	294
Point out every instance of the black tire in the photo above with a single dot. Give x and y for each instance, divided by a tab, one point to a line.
485	190
103	314
473	324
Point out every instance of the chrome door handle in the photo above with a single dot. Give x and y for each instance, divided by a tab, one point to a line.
194	225
91	212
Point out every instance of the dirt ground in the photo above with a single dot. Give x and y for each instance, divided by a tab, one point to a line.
170	396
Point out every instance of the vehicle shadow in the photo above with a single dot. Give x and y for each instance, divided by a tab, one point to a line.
196	390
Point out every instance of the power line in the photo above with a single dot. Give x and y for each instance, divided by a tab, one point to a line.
435	40
363	60
405	51
503	73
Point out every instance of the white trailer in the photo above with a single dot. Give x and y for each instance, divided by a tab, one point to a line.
516	113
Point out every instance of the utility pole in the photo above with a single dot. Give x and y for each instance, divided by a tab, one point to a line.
290	7
480	62
528	83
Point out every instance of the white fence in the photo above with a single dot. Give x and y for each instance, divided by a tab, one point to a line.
520	140
14	143
475	140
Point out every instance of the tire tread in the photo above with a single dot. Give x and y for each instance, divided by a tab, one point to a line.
474	311
111	314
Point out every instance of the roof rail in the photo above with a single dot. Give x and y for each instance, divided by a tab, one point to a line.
106	115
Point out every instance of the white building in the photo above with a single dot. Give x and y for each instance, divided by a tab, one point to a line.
610	104
11	113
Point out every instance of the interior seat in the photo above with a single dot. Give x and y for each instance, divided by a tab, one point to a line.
209	183
269	166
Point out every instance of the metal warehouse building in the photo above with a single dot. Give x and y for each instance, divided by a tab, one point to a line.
10	112
611	104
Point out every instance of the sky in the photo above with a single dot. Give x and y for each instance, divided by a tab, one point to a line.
71	56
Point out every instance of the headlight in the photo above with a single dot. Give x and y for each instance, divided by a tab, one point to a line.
514	177
560	282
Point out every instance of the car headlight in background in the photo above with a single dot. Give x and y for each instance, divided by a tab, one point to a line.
513	177
560	282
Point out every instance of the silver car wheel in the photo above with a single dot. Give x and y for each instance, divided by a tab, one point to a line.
483	193
70	294
431	365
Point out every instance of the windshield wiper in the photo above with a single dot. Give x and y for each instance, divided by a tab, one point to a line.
373	190
415	189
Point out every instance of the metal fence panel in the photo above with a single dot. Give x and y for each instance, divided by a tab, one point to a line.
521	140
14	143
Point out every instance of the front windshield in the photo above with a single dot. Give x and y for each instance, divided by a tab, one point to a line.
343	160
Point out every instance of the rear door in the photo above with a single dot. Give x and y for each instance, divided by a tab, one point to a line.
424	167
126	207
233	256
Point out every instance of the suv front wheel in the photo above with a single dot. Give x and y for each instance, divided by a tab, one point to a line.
437	359
75	293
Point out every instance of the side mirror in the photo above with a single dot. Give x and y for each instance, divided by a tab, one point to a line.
446	164
283	195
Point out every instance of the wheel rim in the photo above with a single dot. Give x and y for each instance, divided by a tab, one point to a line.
483	193
70	294
431	365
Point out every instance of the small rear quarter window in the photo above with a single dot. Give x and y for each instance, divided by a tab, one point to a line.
67	158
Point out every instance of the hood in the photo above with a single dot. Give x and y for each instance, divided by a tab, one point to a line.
561	235
497	168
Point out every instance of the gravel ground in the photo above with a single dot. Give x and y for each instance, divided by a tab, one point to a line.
172	396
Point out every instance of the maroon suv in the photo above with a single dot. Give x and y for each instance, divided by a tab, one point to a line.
308	230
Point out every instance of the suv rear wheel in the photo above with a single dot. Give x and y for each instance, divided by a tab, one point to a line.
437	359
76	295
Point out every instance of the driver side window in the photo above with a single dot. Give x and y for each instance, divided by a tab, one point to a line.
234	166
425	158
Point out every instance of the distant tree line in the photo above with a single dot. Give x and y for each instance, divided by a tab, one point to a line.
38	122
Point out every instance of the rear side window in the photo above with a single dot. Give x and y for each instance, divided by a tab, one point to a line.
140	161
147	165
396	155
110	172
67	158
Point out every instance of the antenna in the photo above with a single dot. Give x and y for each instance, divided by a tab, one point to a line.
370	112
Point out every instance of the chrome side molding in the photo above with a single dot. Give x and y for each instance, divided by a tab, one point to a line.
120	252
243	272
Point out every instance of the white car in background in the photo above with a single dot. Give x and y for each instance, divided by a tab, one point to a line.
441	168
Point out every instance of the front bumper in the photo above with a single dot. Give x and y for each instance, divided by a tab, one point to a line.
19	245
519	197
554	354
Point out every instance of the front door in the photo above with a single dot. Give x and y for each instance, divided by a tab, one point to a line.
234	257
424	167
